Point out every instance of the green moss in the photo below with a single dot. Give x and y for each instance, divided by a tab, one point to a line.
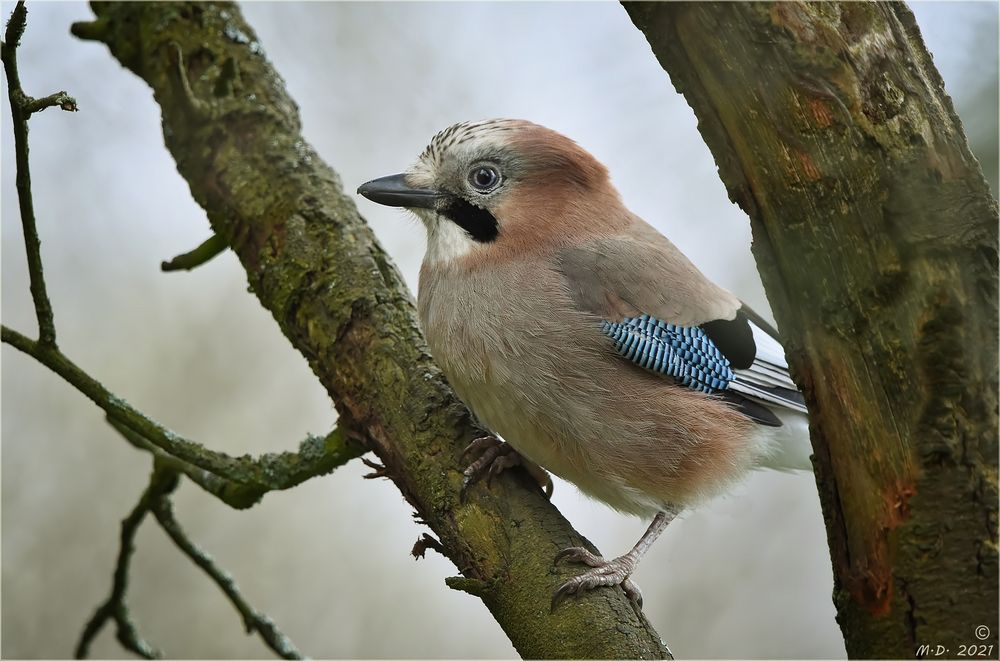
315	264
882	277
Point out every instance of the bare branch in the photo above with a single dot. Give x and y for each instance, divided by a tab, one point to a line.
208	249
240	482
161	483
252	620
271	472
21	108
155	499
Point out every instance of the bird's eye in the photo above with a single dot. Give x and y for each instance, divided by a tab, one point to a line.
484	178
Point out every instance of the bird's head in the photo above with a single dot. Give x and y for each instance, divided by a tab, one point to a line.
499	185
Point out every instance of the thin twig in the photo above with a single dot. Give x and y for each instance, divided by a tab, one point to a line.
61	99
11	40
271	472
161	482
237	481
252	620
21	108
208	249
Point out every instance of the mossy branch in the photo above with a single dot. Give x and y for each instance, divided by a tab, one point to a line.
205	251
315	264
876	237
238	481
317	455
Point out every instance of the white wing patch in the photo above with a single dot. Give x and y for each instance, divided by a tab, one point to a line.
769	371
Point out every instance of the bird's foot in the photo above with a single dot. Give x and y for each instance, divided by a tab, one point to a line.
495	457
602	572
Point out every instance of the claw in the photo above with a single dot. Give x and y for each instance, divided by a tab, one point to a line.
491	448
611	572
495	457
633	592
378	470
502	463
540	475
579	554
561	594
601	573
481	444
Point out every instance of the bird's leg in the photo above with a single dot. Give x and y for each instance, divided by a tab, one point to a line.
496	457
611	572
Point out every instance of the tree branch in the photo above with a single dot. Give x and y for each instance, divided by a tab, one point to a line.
161	483
252	620
156	499
234	494
239	481
21	108
61	99
208	249
876	237
316	456
314	263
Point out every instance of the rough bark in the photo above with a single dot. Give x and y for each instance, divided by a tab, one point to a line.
876	237
314	263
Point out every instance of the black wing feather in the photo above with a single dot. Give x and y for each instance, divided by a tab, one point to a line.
734	339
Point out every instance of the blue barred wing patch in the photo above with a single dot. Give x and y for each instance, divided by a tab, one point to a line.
683	352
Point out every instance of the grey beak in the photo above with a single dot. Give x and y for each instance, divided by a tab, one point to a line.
393	191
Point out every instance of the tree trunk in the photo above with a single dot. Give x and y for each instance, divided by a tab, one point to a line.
876	237
315	264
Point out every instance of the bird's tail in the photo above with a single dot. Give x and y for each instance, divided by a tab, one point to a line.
786	448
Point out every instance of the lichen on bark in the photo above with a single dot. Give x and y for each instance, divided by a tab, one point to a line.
315	265
876	237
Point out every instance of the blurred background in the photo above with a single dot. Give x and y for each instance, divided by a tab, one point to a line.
745	576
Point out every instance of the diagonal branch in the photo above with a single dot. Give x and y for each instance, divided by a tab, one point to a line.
156	499
315	265
252	620
210	470
316	456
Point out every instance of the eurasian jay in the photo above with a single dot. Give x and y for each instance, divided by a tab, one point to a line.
585	338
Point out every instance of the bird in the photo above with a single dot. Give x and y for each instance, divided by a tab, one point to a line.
585	339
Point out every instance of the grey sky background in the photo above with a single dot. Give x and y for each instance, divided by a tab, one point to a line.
744	576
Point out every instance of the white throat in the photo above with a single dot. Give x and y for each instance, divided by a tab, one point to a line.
446	241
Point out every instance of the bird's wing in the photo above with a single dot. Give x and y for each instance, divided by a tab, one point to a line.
642	272
662	314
